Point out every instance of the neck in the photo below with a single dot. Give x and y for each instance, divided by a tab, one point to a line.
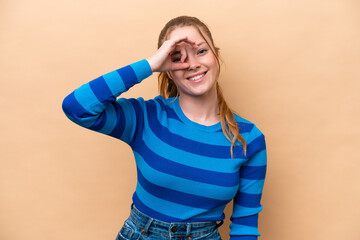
200	109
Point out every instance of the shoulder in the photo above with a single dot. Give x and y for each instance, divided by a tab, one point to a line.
162	100
158	104
161	103
157	101
247	126
255	138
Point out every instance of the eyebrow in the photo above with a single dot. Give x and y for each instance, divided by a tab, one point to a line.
201	43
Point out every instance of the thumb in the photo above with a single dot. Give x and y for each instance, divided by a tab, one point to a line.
180	66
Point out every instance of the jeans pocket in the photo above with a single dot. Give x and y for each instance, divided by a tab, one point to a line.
126	232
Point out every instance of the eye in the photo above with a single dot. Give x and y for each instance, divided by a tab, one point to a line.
176	57
202	51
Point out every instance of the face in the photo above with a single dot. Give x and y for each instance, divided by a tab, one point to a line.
199	79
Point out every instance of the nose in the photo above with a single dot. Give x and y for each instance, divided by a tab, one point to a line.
193	63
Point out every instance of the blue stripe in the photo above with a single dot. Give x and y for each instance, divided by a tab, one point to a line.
245	127
87	99
102	91
184	185
212	215
115	83
120	121
99	123
165	108
251	186
150	212
241	229
130	120
110	120
128	74
257	159
171	209
185	144
175	196
136	135
164	165
248	200
142	69
251	221
216	214
253	173
241	211
212	138
257	145
71	106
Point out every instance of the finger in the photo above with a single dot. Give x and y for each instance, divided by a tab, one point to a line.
191	42
183	54
179	66
180	39
186	40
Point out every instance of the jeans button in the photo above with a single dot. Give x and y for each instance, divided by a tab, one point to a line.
173	229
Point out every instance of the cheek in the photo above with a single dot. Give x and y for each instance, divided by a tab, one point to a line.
214	66
177	75
174	75
212	61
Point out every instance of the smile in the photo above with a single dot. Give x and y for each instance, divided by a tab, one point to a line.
197	77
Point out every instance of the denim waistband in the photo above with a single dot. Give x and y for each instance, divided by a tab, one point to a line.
174	229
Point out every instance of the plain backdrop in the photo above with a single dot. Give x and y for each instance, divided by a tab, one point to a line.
291	67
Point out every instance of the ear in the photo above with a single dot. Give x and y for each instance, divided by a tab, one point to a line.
168	74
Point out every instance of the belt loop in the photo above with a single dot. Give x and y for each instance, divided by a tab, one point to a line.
147	226
188	230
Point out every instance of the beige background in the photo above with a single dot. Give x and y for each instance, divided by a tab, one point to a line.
292	67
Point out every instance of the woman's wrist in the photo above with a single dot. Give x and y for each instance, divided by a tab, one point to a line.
152	64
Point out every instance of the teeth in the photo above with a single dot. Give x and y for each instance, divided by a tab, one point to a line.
197	77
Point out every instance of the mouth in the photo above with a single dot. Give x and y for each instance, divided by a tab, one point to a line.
197	77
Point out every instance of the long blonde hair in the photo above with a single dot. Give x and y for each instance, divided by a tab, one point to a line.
168	88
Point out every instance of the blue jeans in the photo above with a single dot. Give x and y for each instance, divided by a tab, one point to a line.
140	226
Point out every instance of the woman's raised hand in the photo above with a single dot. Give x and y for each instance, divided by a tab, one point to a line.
161	61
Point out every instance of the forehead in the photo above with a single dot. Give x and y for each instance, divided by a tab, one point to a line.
190	31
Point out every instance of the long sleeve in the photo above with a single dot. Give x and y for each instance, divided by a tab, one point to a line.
94	105
246	204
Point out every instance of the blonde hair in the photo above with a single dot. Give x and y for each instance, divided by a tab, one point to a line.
168	88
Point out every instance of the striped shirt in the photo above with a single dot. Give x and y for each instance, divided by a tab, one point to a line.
185	172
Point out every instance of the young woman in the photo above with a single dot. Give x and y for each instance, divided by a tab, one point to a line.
193	154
